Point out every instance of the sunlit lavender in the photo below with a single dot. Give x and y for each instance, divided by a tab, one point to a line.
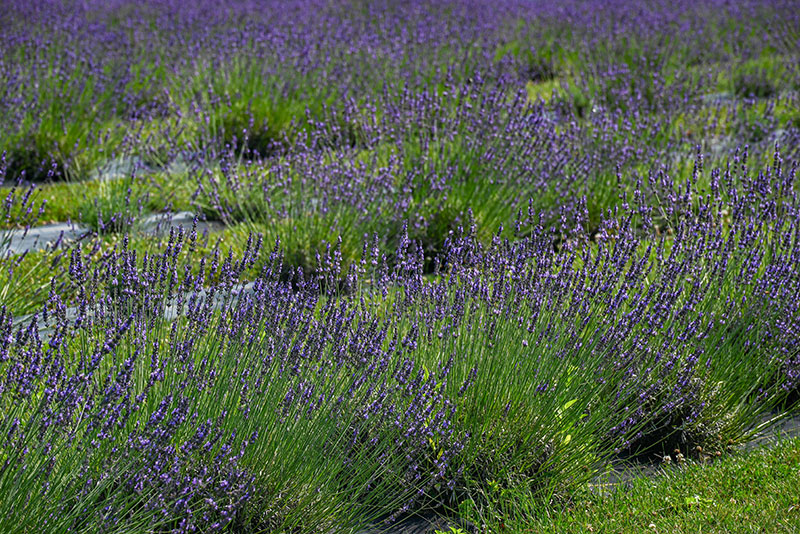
328	266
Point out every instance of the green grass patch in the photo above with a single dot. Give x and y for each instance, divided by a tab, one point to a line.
744	492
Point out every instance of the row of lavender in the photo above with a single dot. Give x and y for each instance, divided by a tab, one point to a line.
429	157
299	133
321	402
81	81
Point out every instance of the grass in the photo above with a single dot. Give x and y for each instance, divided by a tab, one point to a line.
754	491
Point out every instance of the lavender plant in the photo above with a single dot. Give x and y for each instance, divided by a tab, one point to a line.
519	365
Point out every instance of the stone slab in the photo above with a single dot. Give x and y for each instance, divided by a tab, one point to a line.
38	238
159	224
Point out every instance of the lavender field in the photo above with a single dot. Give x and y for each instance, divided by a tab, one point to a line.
328	265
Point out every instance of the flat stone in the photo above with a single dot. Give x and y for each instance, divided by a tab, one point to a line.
238	291
777	426
778	136
180	165
717	98
170	310
161	223
787	426
39	237
118	168
721	145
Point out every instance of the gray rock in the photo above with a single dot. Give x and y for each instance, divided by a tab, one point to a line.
179	165
161	223
238	291
39	237
170	311
187	161
776	426
122	167
721	145
717	98
784	427
779	136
